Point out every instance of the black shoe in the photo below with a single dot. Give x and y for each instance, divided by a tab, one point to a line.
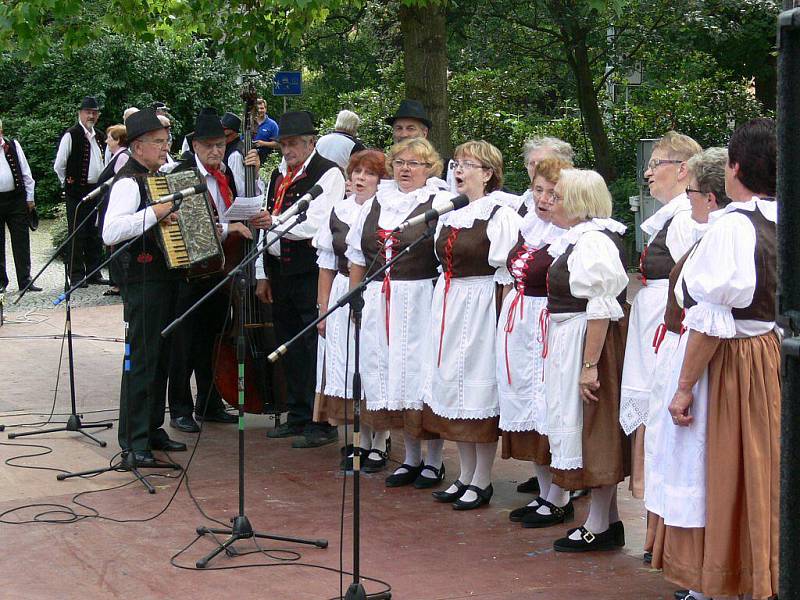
285	430
168	445
588	542
558	514
401	479
445	496
516	515
484	496
578	494
217	416
33	288
681	594
423	483
138	459
99	280
529	487
616	528
316	438
185	424
372	464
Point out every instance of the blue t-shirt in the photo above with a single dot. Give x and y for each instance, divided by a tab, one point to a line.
267	131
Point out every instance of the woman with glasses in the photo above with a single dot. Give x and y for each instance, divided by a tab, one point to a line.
520	366
584	325
460	393
669	234
397	307
334	401
675	456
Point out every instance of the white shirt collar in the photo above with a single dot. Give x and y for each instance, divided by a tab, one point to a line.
768	208
572	234
202	168
91	133
656	222
284	168
538	233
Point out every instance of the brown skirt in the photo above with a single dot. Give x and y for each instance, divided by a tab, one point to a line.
737	551
382	419
480	431
332	409
606	449
526	445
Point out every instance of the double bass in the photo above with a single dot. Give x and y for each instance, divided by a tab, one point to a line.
264	383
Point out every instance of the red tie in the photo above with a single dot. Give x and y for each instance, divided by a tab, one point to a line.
222	183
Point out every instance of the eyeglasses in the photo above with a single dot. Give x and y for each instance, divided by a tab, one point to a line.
540	192
411	164
694	191
466	165
657	162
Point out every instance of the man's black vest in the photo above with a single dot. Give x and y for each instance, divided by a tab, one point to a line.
77	172
144	260
230	148
12	157
297	256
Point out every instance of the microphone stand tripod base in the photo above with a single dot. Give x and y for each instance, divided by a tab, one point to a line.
72	424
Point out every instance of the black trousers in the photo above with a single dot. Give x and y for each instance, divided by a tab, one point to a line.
14	215
149	307
193	344
294	307
88	246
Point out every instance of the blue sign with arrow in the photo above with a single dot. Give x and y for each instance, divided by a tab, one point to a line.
287	83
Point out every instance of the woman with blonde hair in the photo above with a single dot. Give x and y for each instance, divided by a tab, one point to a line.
584	324
397	308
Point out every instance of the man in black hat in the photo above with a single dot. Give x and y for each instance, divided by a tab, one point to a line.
194	339
410	121
290	278
234	163
149	291
78	164
160	108
16	204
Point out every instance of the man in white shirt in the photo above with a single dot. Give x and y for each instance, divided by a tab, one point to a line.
288	276
16	202
78	164
342	143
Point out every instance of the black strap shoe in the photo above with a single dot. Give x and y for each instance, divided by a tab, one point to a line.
587	542
515	516
484	496
558	514
529	487
405	478
422	482
445	496
375	460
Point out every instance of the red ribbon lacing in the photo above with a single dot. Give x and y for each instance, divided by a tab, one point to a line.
661	332
387	239
641	265
447	265
519	273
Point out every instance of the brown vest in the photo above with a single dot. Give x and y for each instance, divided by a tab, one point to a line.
533	279
339	231
656	262
420	264
673	313
763	305
559	295
465	252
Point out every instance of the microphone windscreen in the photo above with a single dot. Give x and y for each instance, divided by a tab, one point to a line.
315	191
201	187
460	201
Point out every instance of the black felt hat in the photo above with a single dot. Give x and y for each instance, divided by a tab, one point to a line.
207	125
299	122
410	109
141	122
89	103
231	121
159	106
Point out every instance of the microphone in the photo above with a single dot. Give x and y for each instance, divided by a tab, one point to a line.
98	191
429	215
180	195
298	207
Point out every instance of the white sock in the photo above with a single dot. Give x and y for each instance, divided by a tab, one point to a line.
555	495
467	460
346	434
433	456
379	440
413	452
599	505
545	477
482	477
365	437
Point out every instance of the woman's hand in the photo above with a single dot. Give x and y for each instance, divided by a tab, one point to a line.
321	324
679	407
589	383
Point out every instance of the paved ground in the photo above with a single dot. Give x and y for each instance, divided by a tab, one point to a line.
423	549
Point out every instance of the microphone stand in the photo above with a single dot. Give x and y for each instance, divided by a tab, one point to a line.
128	460
74	421
240	529
355	298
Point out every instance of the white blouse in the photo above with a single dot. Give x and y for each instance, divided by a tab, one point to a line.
681	232
502	229
395	208
721	275
595	269
346	211
538	233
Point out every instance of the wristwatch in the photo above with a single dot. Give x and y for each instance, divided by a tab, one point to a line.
589	365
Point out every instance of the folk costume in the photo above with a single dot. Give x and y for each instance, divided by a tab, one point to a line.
728	290
16	193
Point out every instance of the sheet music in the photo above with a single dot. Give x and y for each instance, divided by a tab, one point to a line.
243	209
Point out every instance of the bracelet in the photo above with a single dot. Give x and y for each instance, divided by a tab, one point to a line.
589	365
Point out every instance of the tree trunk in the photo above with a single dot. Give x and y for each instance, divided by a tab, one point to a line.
578	59
425	58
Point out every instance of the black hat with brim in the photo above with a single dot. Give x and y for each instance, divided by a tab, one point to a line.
141	122
231	121
207	126
410	109
89	103
295	123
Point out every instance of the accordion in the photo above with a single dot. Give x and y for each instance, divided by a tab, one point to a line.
193	241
